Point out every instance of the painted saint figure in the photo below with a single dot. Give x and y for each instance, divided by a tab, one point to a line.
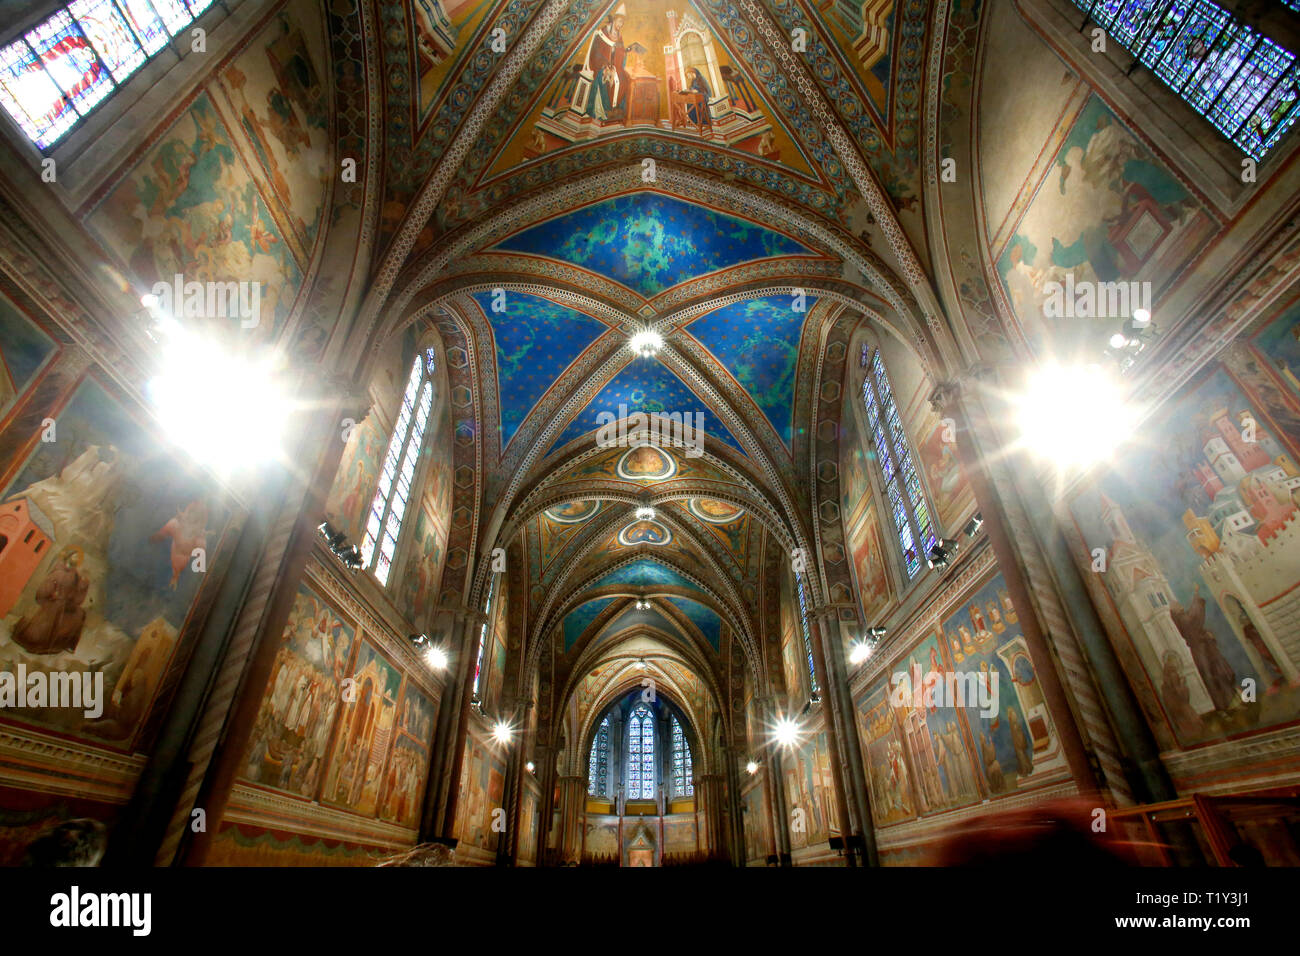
696	82
606	64
56	622
1218	675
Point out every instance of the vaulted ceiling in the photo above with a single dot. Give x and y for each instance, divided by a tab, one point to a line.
539	210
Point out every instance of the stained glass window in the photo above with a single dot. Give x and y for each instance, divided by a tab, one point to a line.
906	504
482	633
807	636
598	763
398	471
60	69
1237	78
683	776
641	754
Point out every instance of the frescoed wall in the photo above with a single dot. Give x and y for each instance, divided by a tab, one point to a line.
1197	535
758	825
277	88
348	503
24	349
680	833
480	814
190	207
98	570
365	732
1106	211
340	726
529	811
958	717
289	747
810	792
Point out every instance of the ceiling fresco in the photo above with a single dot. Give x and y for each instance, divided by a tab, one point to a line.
645	385
536	339
580	618
650	242
626	73
704	618
757	341
645	573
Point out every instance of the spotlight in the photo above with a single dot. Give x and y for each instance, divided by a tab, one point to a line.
751	767
640	664
642	604
502	732
875	633
860	652
530	767
1073	415
645	513
351	557
973	526
419	640
941	553
786	732
1141	318
646	343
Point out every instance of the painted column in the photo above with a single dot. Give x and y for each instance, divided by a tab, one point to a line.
711	786
775	783
466	626
544	760
830	708
573	797
828	656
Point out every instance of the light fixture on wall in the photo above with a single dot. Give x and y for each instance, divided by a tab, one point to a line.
642	604
973	526
502	732
751	767
864	648
433	654
530	767
339	545
646	343
942	553
1131	339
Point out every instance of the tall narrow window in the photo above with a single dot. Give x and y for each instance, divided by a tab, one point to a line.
394	488
641	754
598	762
483	632
683	776
807	635
57	72
1233	75
906	499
